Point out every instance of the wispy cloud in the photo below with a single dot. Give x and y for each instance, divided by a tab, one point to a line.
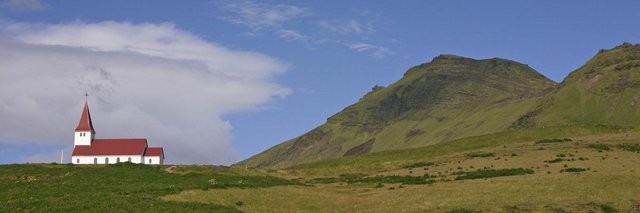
292	35
373	50
278	20
351	26
23	5
259	16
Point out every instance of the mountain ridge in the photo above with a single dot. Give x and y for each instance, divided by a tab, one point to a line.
447	98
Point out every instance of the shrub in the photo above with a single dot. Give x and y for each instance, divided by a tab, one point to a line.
239	203
460	210
557	160
607	208
419	164
480	154
573	169
600	146
630	147
489	173
554	140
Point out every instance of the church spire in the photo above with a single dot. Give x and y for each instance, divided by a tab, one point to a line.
85	123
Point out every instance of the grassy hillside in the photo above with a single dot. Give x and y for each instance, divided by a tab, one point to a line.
606	90
562	169
393	159
115	188
451	97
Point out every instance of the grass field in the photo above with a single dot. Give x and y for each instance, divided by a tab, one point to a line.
115	188
563	169
560	169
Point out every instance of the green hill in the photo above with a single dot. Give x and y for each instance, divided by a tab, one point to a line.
606	90
448	98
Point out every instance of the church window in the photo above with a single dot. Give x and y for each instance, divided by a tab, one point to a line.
106	160
77	160
95	160
129	160
149	160
118	160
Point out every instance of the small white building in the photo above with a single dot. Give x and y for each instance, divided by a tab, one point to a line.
88	150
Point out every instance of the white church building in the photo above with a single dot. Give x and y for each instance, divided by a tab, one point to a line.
89	150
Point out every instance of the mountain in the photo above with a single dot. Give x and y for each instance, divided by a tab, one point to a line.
448	98
606	90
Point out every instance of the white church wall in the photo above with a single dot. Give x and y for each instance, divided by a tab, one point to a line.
113	159
82	138
154	160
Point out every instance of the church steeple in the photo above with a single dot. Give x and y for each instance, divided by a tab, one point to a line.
85	123
84	132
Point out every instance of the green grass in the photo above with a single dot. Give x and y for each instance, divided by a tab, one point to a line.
362	178
380	161
226	181
112	188
489	173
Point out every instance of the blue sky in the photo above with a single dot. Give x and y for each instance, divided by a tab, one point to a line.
326	54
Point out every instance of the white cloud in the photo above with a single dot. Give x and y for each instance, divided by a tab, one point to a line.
144	80
22	5
347	27
292	35
373	50
258	16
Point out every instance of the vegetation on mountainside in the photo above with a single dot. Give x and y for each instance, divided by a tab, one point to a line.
603	91
379	161
449	98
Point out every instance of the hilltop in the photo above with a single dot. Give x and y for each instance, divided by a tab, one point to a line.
605	90
448	98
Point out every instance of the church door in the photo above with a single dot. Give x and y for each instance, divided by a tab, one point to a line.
95	160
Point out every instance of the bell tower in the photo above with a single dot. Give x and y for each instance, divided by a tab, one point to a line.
84	133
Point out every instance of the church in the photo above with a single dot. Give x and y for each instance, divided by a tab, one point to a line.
89	150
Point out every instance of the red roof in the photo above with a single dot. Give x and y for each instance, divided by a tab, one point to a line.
154	151
131	146
85	123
